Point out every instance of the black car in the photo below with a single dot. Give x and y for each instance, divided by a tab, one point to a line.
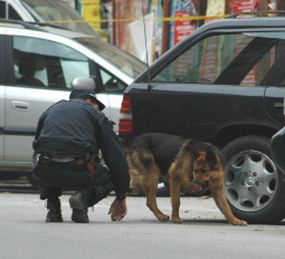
223	84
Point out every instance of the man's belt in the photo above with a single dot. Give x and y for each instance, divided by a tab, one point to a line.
80	161
75	161
62	160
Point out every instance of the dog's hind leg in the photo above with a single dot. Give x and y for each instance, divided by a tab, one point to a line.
144	175
150	190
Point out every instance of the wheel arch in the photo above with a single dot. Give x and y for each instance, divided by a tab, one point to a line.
230	133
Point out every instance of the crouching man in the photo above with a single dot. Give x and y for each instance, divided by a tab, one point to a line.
69	136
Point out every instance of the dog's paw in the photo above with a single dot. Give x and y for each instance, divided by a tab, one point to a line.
239	222
163	218
177	220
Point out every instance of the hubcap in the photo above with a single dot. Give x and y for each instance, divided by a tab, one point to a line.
251	180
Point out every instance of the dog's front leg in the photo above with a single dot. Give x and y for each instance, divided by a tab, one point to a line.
222	203
174	185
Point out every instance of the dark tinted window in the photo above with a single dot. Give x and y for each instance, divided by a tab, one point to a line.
234	59
2	10
13	14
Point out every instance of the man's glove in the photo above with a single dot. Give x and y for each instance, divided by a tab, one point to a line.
118	209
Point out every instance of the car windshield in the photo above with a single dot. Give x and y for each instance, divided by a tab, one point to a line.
125	62
58	13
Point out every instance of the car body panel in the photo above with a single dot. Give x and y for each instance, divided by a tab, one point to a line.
274	103
1	122
200	105
23	107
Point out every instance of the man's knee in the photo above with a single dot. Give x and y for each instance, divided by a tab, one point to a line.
100	194
48	191
102	177
103	183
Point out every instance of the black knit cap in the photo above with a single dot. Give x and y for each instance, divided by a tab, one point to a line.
84	88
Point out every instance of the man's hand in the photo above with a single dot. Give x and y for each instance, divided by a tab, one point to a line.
118	209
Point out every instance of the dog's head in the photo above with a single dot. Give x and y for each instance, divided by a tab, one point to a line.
206	166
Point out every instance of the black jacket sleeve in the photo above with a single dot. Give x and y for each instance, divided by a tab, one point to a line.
39	128
114	157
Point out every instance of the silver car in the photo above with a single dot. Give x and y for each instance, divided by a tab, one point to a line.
37	68
57	12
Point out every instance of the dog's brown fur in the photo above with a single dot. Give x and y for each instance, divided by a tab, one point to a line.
185	163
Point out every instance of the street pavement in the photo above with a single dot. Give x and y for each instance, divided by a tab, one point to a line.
204	233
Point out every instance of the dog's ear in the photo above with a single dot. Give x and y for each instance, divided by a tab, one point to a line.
211	155
201	156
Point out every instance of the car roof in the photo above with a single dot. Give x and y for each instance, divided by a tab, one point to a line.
232	23
45	27
247	21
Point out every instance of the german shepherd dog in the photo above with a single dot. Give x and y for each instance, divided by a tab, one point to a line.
187	164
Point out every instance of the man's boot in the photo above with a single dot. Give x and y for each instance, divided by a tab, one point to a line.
79	204
54	211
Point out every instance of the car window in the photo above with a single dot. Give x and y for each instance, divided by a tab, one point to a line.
125	62
111	84
2	10
12	14
57	12
46	64
233	59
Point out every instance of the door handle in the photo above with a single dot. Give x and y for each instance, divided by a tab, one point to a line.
19	105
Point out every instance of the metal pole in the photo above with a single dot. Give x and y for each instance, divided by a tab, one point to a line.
165	26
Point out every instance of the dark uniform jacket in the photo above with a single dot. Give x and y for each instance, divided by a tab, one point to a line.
74	128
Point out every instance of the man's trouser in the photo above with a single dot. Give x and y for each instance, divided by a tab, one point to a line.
56	176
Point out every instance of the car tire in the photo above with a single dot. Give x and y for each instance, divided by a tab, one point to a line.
254	187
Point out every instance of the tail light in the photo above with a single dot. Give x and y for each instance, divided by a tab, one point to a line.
126	118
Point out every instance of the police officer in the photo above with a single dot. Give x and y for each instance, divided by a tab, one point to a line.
68	138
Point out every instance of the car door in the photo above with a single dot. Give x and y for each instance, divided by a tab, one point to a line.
275	82
2	91
196	91
1	121
41	74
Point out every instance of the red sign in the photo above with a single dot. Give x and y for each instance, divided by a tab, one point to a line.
182	28
238	6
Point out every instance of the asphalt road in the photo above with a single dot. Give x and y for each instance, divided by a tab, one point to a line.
204	233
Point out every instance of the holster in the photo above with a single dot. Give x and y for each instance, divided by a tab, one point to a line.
91	167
